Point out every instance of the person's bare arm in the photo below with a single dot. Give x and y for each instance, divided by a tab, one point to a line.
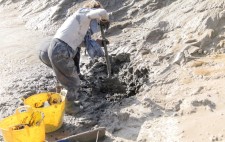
100	14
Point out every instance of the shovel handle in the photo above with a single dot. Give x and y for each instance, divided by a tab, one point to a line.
106	52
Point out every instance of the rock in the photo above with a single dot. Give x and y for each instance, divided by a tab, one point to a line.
193	49
204	102
123	116
179	58
153	36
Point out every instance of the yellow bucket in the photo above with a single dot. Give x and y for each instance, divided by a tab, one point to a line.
53	111
26	125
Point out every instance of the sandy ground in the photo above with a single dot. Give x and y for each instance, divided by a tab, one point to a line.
206	117
18	45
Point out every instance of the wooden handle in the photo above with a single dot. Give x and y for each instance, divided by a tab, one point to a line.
106	53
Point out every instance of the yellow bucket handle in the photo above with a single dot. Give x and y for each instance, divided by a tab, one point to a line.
42	118
22	109
63	92
28	109
17	112
25	108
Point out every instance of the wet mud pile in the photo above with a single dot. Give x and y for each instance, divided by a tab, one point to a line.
125	81
98	92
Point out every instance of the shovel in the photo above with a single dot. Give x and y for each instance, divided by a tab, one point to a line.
106	51
88	136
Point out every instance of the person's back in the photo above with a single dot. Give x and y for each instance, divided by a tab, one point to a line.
76	26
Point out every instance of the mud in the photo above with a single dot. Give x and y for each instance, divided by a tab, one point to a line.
125	81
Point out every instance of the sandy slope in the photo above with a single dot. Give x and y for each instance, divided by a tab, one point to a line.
206	114
18	45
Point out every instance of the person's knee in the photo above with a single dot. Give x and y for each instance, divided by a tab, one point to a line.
43	56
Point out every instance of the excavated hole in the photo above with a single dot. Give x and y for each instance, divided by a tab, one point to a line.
125	81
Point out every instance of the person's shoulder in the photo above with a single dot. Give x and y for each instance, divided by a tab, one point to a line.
84	10
98	9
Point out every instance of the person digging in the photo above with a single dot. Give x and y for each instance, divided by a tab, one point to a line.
63	54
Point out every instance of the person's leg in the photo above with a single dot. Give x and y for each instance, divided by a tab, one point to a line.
43	52
43	56
77	60
61	57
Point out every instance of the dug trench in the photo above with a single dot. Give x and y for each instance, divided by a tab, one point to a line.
99	90
125	80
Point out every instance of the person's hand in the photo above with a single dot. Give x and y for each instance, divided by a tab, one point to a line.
100	42
105	24
106	41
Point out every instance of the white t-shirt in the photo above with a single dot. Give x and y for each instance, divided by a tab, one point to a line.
75	27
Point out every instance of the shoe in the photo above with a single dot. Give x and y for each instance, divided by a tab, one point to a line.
73	107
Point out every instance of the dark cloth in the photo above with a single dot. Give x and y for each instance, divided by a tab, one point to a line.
43	52
43	55
93	48
77	60
60	57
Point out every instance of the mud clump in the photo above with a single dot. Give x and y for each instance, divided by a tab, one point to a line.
125	81
112	85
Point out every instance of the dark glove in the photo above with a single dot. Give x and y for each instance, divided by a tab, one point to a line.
106	41
105	24
100	42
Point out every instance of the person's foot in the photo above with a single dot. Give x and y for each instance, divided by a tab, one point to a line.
73	107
